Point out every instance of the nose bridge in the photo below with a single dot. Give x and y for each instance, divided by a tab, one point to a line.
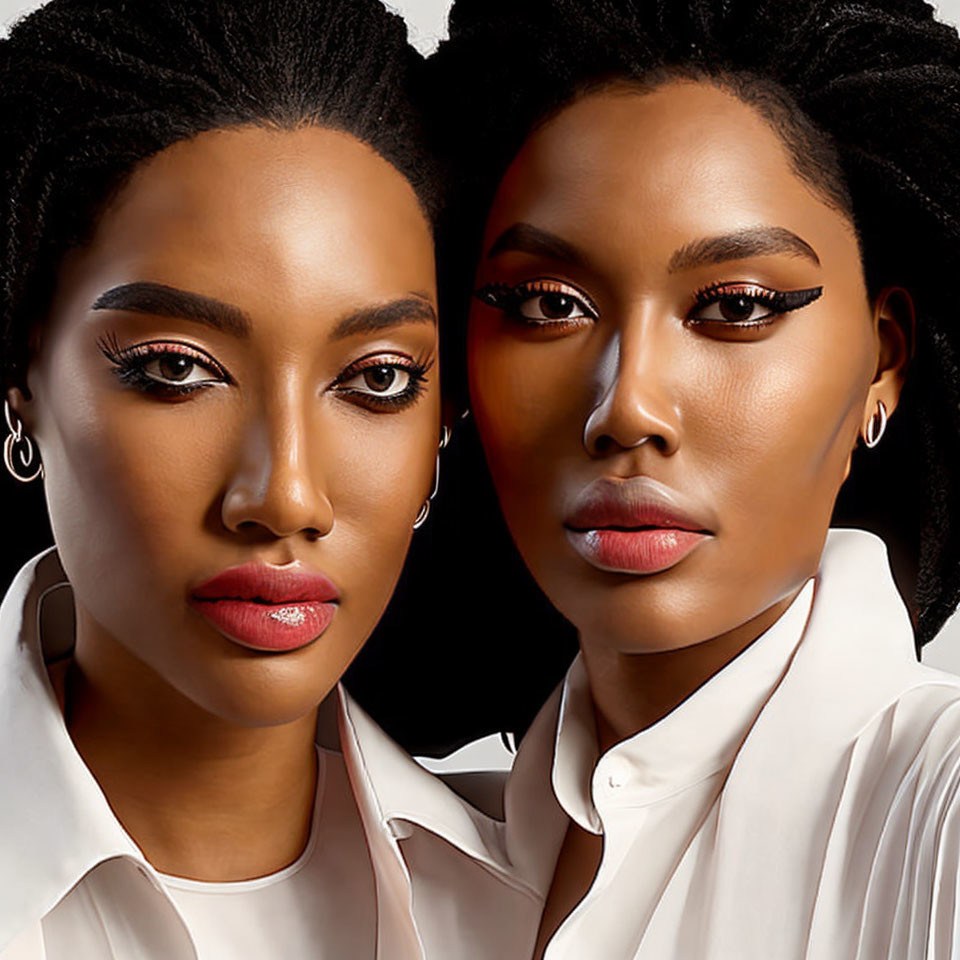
637	402
276	483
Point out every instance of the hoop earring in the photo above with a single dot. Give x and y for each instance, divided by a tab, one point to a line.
425	509
876	426
19	441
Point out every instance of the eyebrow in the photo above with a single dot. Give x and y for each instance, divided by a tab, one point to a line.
414	309
164	301
750	242
526	238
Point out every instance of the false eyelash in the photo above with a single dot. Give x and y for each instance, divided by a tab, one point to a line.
507	298
129	364
417	371
497	295
779	301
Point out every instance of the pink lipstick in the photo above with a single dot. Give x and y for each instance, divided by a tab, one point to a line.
636	525
266	607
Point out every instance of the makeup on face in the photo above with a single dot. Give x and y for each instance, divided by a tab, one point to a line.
635	525
267	607
670	349
240	413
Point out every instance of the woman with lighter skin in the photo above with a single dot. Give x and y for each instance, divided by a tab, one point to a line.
713	249
220	359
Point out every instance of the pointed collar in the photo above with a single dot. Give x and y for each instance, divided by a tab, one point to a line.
695	740
55	823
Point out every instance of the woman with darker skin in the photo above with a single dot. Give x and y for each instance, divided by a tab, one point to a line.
219	350
709	244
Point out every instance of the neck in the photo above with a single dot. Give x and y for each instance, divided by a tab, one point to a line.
203	797
632	691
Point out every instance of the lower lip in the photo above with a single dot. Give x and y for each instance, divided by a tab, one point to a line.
268	626
635	551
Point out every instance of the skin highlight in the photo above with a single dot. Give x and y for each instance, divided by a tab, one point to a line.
607	360
292	272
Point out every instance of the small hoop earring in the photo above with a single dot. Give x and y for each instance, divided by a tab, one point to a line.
876	426
445	434
18	441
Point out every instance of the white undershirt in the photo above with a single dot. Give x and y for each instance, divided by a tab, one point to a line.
322	906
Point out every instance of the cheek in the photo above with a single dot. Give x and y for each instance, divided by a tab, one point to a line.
129	475
528	400
772	423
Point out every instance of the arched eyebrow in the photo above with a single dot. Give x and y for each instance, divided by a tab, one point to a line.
749	242
383	316
161	300
526	238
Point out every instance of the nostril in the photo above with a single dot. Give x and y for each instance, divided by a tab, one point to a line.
603	444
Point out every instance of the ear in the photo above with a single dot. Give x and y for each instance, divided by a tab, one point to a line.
895	324
19	399
449	414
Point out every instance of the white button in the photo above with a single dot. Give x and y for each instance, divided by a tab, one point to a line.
617	773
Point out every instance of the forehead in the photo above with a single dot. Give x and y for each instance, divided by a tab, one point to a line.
656	169
252	215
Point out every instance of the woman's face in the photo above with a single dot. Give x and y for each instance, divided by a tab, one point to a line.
239	371
671	355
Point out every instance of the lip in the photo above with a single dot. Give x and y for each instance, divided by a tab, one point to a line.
635	525
269	608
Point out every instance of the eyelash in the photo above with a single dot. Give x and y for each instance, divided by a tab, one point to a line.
417	371
778	301
511	299
130	365
130	368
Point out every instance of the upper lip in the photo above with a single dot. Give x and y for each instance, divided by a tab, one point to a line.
631	503
266	583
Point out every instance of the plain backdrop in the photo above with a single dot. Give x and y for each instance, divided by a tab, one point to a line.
506	679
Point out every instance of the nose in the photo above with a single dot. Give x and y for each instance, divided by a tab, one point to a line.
636	405
273	488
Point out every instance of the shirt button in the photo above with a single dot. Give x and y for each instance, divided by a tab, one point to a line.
617	773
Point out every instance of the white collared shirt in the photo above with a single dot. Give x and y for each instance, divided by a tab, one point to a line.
803	803
74	885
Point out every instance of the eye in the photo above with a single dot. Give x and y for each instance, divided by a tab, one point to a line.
747	305
540	302
382	380
167	368
177	369
387	382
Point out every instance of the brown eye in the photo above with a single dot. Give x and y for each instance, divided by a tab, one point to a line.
737	309
178	369
556	306
174	367
380	379
385	381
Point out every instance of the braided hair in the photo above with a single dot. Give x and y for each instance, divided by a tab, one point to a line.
864	94
91	88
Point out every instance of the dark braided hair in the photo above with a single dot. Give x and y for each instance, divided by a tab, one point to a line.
865	95
91	88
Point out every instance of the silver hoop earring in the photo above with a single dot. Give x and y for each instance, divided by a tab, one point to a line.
17	441
876	426
425	509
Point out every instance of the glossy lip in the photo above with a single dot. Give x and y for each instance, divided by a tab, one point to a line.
264	607
634	525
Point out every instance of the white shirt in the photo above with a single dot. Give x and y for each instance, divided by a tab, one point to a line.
74	885
322	906
803	803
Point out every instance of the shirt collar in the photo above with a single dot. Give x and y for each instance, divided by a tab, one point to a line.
400	793
698	738
55	823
